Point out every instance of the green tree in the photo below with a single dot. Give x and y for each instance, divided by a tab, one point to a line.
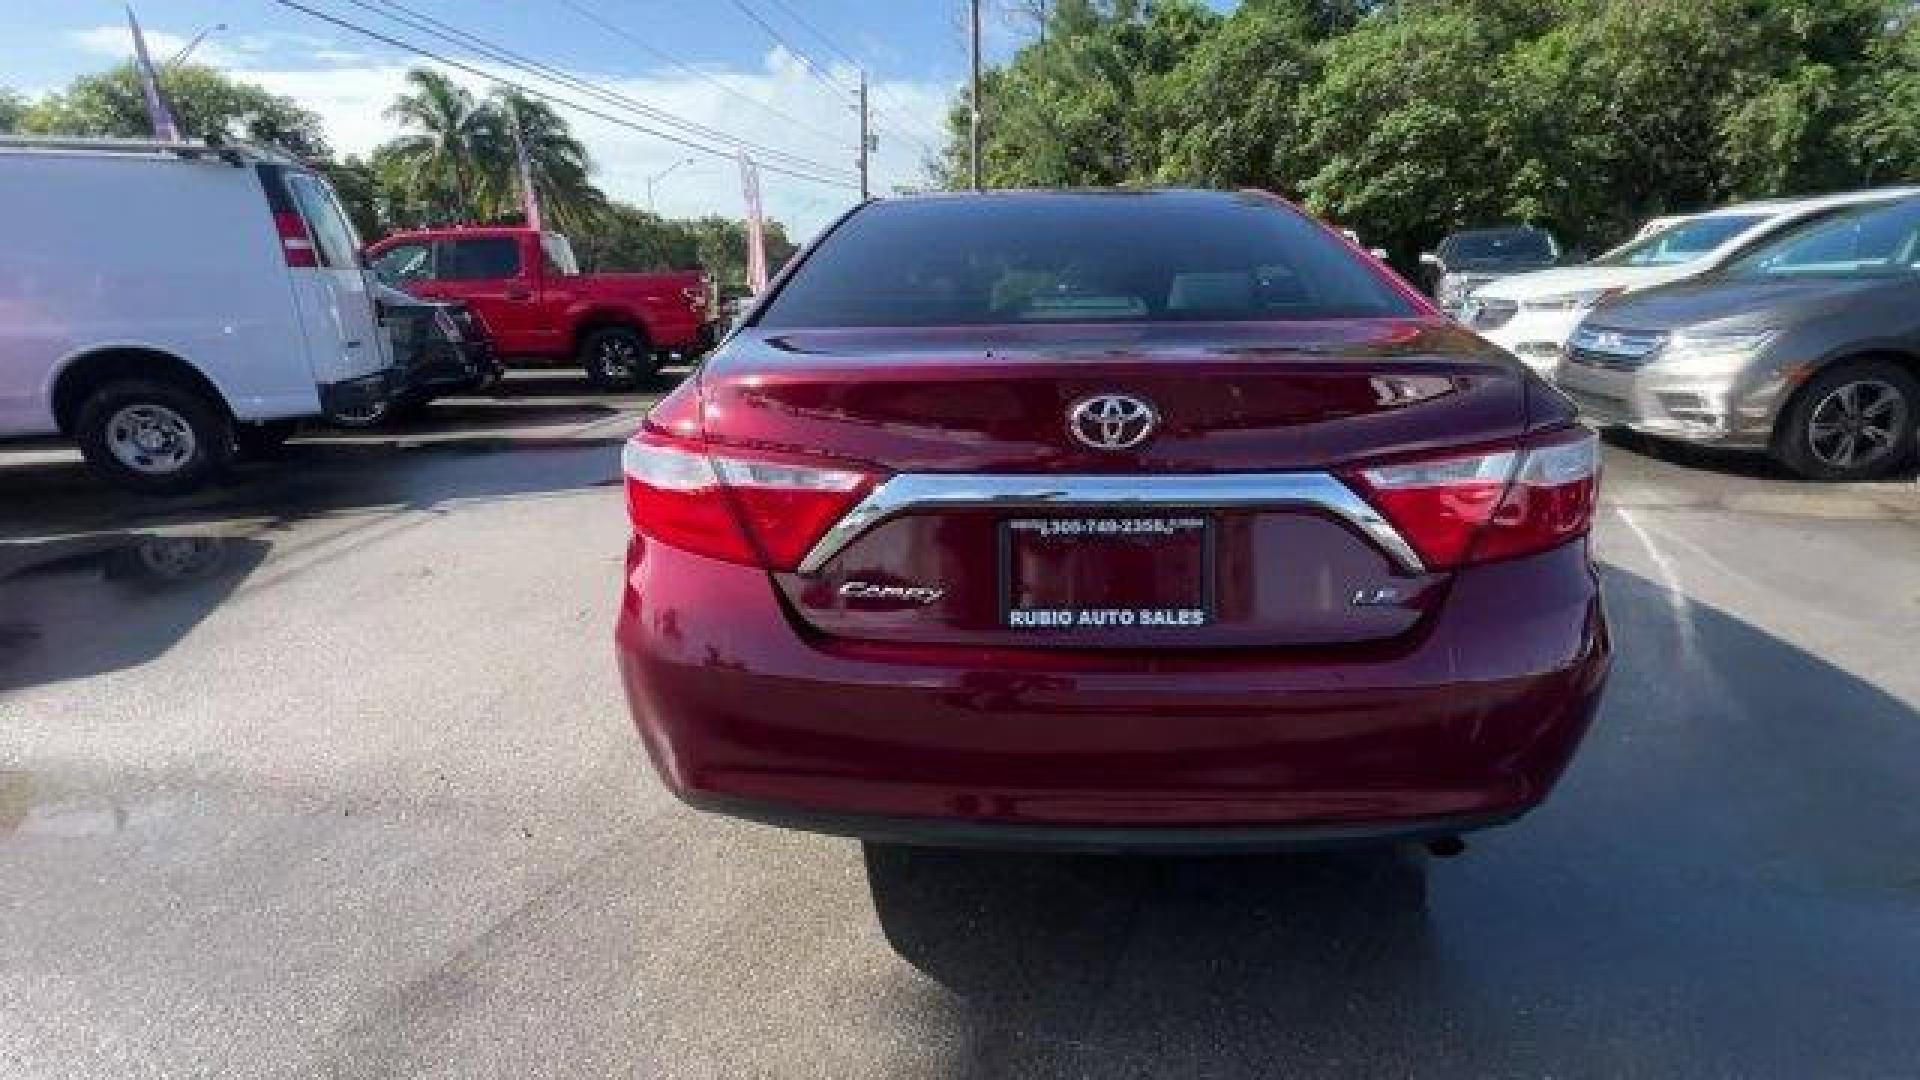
13	109
558	160
1230	111
1884	130
1079	106
437	162
206	104
456	161
358	187
629	238
1408	118
1395	126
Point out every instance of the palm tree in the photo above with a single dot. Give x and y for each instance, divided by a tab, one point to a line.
557	159
439	155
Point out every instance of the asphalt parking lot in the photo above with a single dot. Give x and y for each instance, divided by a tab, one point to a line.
326	773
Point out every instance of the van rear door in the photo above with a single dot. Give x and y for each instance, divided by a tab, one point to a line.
323	256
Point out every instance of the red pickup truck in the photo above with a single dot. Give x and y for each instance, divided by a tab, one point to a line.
538	308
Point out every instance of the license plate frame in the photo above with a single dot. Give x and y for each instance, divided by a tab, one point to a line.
1077	535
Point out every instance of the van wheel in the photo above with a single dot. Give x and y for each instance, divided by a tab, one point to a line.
154	437
617	358
1852	422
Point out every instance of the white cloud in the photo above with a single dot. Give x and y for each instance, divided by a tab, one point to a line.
115	41
811	121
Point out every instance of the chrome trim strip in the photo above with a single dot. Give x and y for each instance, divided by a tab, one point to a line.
912	492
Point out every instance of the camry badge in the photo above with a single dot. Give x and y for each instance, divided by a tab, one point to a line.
1111	421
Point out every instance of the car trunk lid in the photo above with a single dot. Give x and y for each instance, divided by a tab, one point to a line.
1227	527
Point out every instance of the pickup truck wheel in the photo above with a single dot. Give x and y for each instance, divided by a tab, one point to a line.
617	358
154	437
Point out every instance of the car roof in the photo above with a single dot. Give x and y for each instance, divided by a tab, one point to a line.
1162	195
1496	230
442	232
1799	204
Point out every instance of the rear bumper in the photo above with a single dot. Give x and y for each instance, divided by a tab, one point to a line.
353	395
958	832
443	366
1468	724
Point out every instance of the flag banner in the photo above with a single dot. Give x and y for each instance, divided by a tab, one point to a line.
164	126
756	231
530	202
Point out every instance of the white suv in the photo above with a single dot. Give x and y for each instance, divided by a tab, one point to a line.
1533	315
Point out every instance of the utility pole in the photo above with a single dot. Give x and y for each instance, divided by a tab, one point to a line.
866	139
973	123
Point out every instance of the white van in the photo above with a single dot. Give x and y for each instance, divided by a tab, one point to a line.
166	303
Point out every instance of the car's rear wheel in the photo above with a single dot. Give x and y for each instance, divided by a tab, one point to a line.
154	437
1853	422
617	358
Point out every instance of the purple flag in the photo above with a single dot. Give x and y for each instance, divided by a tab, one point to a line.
164	126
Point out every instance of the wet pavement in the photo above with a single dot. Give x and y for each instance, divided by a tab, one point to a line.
326	773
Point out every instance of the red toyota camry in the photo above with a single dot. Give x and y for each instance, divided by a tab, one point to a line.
1109	519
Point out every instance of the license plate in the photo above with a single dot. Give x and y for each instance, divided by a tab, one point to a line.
1106	573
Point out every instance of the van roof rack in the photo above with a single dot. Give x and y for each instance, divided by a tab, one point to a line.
192	149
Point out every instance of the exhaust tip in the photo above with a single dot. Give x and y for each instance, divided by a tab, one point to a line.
1446	847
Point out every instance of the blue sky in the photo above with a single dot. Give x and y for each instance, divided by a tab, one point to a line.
725	72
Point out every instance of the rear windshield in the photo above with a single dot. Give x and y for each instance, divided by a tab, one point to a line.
1070	258
1518	246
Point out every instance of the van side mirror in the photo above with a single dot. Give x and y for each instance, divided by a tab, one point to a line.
1429	259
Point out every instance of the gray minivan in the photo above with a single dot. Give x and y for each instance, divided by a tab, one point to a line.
1807	348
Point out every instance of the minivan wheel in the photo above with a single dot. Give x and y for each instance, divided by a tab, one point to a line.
154	437
1854	422
617	358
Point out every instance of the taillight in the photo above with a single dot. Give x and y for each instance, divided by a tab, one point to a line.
1496	504
294	241
744	508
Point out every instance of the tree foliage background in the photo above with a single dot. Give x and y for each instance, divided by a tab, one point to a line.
1405	119
451	160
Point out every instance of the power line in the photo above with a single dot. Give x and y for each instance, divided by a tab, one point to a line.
827	39
500	54
646	46
798	53
547	96
813	66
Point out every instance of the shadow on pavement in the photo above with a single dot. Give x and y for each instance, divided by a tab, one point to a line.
543	433
1725	884
1215	957
74	608
311	479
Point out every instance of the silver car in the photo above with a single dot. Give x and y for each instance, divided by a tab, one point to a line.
1807	348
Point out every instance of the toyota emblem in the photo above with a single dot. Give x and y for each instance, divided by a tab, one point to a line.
1111	421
